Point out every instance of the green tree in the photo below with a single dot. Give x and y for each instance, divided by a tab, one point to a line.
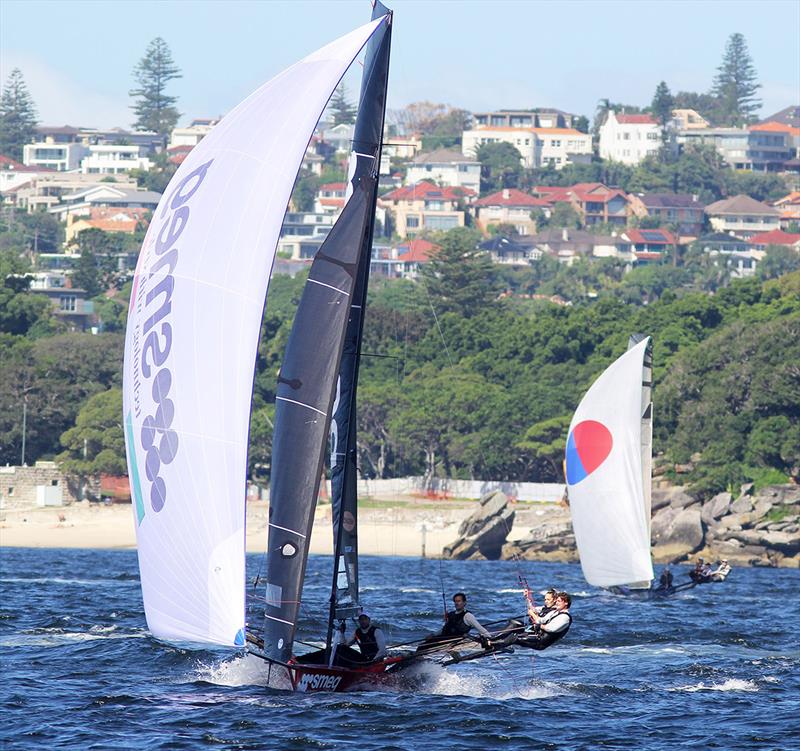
341	108
460	277
501	166
547	441
662	104
17	116
778	260
582	124
155	109
96	444
564	214
305	190
736	84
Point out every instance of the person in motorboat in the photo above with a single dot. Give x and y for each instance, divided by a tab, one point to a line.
544	631
721	572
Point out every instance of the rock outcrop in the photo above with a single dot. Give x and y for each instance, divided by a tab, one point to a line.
483	534
757	528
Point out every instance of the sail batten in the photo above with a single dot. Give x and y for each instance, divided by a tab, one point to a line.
608	473
193	329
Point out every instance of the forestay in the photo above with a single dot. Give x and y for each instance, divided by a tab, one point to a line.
193	328
608	478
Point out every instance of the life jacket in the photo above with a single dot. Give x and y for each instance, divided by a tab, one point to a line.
546	638
367	642
455	625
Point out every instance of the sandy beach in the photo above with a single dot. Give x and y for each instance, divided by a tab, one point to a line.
390	526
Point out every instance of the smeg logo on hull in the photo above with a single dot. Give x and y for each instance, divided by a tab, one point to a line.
318	682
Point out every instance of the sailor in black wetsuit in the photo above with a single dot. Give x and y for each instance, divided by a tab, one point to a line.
370	639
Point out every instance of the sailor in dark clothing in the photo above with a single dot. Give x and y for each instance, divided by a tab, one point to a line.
665	580
457	624
461	621
370	639
549	603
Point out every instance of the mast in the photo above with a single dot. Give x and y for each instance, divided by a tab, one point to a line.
364	160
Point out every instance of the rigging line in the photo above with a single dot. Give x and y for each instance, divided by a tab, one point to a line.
436	318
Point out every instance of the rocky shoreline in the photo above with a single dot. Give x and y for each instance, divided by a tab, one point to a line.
757	528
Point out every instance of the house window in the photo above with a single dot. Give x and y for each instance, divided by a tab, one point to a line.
652	136
11	490
68	303
554	142
441	222
54	483
412	221
626	136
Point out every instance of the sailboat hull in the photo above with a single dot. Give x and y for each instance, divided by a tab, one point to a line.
315	678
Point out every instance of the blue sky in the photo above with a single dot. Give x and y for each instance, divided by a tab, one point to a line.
77	56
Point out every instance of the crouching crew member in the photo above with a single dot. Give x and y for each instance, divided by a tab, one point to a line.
370	639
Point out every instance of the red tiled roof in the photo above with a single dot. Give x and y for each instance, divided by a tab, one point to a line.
647	255
636	120
511	197
637	237
418	251
333	187
331	201
423	189
7	163
773	127
775	237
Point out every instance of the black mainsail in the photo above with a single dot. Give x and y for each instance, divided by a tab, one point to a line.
365	160
323	336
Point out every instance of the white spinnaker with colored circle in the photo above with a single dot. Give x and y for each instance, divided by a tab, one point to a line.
193	328
608	466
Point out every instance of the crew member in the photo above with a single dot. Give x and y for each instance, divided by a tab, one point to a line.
665	581
460	622
721	572
549	604
545	630
370	639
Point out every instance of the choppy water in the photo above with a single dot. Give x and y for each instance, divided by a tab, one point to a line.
716	667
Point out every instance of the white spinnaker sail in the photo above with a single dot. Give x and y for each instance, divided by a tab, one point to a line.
609	505
193	329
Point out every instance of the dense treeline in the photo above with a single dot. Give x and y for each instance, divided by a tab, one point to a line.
468	372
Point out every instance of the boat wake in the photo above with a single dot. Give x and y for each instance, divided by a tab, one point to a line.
242	670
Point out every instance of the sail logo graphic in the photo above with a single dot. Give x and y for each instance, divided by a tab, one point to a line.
318	682
153	290
588	446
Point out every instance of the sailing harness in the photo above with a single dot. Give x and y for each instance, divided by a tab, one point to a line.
455	625
367	643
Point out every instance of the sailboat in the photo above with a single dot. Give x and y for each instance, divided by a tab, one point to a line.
608	471
195	314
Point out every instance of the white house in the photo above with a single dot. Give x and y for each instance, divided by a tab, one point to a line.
629	138
62	157
538	146
558	147
523	139
107	159
193	134
446	167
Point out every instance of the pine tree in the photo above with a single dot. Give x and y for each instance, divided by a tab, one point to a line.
735	84
341	109
155	110
662	104
17	116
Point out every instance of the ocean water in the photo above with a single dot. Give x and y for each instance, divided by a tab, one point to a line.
714	668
